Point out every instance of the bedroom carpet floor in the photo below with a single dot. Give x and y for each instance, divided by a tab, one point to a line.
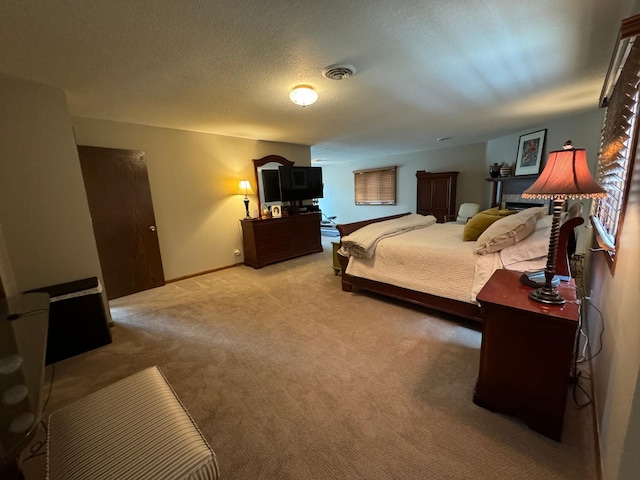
290	378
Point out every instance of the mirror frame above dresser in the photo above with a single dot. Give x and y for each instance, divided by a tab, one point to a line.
270	240
258	163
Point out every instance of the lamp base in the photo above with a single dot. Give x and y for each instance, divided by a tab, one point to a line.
546	295
246	208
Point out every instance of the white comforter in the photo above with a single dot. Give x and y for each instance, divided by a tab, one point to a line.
435	260
363	242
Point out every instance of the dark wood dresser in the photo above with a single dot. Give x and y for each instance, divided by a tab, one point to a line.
437	194
525	358
272	240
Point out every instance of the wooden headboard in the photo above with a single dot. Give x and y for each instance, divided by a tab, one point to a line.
347	228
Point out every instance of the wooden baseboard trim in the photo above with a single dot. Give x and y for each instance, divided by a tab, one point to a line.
202	273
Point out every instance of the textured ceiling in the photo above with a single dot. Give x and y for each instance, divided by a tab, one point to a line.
467	69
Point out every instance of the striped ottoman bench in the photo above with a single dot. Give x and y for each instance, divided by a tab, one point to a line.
136	428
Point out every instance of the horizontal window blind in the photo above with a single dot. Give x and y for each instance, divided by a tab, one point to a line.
376	186
617	151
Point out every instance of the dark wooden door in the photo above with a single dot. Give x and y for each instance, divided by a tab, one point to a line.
124	225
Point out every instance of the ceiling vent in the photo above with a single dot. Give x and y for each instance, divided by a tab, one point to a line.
339	72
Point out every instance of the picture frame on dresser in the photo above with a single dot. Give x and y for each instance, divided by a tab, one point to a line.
529	156
276	210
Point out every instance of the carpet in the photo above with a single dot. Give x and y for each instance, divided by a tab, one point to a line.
290	378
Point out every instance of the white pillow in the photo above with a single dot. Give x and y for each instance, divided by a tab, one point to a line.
509	230
531	265
534	246
544	222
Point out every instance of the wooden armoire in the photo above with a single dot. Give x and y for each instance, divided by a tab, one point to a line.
437	194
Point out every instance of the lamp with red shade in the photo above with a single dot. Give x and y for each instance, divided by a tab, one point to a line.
565	176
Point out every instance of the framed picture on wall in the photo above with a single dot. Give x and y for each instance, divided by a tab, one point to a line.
529	157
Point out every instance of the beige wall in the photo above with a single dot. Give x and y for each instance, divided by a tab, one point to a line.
43	207
617	367
194	183
338	178
583	130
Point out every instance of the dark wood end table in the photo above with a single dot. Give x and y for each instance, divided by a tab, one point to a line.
526	352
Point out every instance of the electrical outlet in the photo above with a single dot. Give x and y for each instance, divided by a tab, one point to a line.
236	252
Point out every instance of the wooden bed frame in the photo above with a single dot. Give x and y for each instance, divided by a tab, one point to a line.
447	305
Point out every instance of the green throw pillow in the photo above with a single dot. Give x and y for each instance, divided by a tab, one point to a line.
481	221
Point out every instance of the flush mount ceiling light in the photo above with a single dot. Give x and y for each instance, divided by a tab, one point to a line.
303	95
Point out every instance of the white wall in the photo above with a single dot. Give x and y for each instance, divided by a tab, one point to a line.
338	179
194	184
617	367
43	207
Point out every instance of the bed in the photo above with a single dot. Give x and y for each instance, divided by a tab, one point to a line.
431	266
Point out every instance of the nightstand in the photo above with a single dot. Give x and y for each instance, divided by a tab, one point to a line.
526	352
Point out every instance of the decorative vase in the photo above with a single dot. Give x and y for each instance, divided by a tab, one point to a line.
505	170
494	170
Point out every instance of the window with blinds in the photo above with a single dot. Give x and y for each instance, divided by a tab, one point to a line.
375	186
617	152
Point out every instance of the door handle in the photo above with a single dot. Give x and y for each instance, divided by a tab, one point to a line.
152	228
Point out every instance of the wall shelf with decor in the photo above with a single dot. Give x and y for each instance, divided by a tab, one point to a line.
509	185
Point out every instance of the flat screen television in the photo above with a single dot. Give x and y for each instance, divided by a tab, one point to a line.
271	185
300	183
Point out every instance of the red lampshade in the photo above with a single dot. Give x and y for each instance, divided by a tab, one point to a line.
566	175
